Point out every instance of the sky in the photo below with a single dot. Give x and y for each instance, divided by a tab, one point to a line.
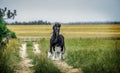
64	10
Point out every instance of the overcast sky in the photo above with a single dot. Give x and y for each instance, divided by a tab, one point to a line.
64	10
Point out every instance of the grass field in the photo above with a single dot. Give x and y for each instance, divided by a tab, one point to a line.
92	55
69	31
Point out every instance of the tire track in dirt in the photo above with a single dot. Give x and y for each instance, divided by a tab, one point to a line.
65	68
25	65
36	49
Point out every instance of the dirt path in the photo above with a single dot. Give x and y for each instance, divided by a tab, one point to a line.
25	65
65	68
36	48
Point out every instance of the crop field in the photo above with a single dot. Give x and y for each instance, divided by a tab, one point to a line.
69	31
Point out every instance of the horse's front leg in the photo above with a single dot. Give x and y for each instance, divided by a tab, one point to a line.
50	53
61	54
55	53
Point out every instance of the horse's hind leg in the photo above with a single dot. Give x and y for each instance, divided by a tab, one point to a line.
61	56
50	48
62	49
54	56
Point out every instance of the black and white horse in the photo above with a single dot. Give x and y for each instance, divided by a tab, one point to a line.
56	43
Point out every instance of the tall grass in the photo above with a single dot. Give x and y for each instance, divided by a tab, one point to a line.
30	50
9	56
40	61
44	45
94	55
44	65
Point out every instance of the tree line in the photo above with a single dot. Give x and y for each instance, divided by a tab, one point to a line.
36	22
105	22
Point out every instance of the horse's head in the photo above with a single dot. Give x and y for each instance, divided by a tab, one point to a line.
56	29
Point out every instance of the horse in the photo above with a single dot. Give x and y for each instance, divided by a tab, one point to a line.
56	43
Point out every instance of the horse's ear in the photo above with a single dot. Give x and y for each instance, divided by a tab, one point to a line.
59	25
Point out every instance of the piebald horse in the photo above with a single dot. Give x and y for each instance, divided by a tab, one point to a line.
56	43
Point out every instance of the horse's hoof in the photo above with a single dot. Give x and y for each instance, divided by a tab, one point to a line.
53	59
49	55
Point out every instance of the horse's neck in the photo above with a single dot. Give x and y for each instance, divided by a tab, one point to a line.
55	37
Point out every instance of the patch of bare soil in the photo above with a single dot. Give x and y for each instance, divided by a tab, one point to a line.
36	49
25	65
65	68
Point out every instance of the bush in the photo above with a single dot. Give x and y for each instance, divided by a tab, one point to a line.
13	35
3	29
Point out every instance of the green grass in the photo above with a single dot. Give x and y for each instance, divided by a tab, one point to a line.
44	65
91	55
44	45
30	50
94	55
9	57
40	61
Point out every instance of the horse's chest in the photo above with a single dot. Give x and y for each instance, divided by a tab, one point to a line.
57	43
